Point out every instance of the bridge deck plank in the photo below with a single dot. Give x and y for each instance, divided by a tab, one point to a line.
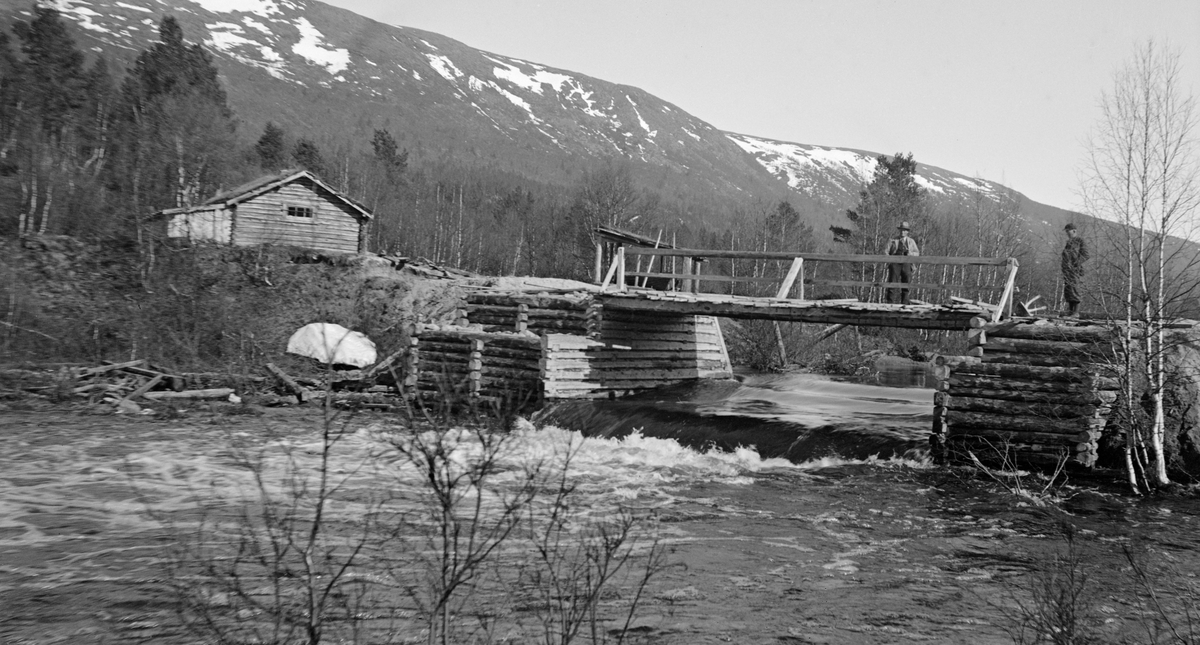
919	316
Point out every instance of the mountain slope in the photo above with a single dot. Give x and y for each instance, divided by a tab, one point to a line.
331	74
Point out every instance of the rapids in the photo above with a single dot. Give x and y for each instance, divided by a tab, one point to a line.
794	508
798	417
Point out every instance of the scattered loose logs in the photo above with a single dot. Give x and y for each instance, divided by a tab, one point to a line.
1030	392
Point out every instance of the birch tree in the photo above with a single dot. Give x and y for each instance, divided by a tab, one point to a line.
1141	174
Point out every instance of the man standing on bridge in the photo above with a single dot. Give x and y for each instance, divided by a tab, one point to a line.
1074	254
902	245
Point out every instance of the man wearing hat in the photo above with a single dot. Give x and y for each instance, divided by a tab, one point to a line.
901	245
1073	256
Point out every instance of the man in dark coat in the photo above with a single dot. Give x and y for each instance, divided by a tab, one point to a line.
1074	254
901	245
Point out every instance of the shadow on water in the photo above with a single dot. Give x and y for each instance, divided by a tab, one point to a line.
800	417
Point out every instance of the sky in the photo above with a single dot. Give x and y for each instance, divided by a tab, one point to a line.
1006	90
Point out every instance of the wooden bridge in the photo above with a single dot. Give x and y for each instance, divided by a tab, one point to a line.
844	289
1031	391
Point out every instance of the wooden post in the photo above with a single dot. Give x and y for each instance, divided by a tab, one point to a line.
475	365
608	277
792	274
412	374
599	262
620	268
783	356
522	317
1006	296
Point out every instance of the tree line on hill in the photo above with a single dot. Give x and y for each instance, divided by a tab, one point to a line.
93	151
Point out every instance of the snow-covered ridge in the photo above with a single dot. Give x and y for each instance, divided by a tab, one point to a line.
837	174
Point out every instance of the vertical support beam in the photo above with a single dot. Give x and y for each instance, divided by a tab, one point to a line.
792	274
687	271
522	318
1006	297
597	278
412	374
475	365
621	268
612	271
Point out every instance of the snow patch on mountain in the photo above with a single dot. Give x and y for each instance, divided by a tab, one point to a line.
826	173
228	38
532	82
251	22
928	185
312	48
133	7
973	184
264	8
79	11
444	67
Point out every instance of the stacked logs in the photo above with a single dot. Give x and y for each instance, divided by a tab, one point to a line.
1032	392
540	313
632	354
468	366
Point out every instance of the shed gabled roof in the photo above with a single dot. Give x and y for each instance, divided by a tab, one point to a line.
267	183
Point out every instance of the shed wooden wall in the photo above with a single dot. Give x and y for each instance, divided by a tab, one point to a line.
264	220
213	225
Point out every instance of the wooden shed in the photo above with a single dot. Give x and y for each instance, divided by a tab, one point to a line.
292	208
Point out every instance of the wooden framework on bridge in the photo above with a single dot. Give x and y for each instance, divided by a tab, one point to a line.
952	292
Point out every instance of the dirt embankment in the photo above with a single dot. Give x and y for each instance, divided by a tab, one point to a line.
199	308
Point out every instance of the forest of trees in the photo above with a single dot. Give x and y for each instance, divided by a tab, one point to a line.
93	151
90	150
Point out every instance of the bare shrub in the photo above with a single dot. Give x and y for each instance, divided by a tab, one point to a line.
1058	602
448	527
284	565
574	563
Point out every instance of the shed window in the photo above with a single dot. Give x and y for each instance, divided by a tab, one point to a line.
300	211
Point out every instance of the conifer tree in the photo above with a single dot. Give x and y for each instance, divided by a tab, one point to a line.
270	148
892	197
50	94
384	145
307	155
10	103
177	132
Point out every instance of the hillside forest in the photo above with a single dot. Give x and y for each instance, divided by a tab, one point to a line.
91	151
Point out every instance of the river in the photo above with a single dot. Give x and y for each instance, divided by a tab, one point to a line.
793	508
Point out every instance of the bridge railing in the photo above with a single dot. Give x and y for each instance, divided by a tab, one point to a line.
800	276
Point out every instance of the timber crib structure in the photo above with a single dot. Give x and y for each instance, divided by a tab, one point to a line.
520	348
1032	392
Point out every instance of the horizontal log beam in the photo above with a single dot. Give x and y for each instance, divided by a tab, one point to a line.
578	300
958	419
1046	347
1028	372
1049	331
1013	436
1094	384
818	257
1049	411
869	315
1038	360
1086	397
